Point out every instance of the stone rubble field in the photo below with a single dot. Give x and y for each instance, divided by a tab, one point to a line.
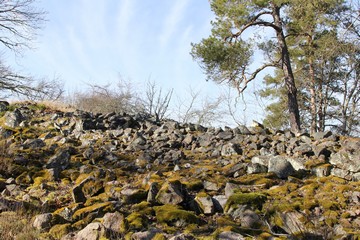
75	175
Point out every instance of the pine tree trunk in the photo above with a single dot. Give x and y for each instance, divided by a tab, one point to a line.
288	73
313	110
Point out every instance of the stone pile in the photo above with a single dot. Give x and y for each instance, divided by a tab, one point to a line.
116	176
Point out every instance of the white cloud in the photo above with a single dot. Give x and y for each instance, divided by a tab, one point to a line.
124	15
171	21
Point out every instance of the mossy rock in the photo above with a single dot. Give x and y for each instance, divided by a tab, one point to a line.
92	188
60	230
98	208
143	208
194	185
175	216
255	200
42	176
136	221
159	236
137	197
266	179
102	197
24	178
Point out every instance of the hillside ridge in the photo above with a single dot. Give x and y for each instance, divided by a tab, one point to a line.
79	175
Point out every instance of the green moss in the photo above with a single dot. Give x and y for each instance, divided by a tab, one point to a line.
24	178
98	207
195	185
143	208
331	218
92	188
60	230
254	199
159	236
169	214
267	179
136	221
103	197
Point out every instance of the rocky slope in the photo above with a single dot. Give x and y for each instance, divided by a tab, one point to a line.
77	175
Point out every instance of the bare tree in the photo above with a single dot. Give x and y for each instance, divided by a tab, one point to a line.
19	21
46	90
156	103
204	111
121	98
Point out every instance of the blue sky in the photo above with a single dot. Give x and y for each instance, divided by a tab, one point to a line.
88	41
93	42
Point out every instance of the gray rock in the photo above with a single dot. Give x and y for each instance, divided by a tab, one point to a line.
43	221
189	138
294	223
244	130
346	160
113	221
321	135
261	160
4	106
230	149
93	231
323	148
13	119
256	168
33	143
182	236
236	170
248	218
220	202
211	186
171	193
230	236
230	188
322	170
225	135
77	191
206	204
145	235
280	166
153	191
356	176
297	163
304	149
355	197
341	173
85	124
60	160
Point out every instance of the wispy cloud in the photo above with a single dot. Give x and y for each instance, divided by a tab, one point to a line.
125	12
172	20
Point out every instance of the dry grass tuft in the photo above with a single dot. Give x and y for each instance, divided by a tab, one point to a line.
17	225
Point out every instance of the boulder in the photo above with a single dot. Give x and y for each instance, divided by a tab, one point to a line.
280	166
171	193
113	221
60	160
93	231
43	221
149	234
346	160
153	191
228	235
206	203
4	106
230	149
14	118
